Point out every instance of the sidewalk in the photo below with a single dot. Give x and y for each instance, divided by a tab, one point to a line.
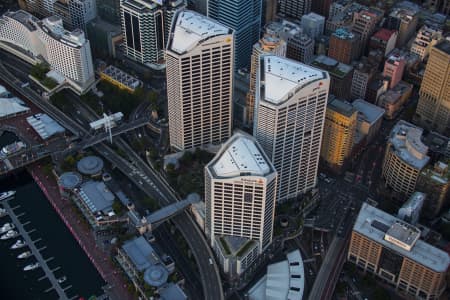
82	234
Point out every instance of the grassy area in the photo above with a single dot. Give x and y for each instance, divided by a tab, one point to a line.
189	178
39	72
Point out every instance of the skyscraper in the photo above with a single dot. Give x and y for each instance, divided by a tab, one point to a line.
300	47
294	8
313	24
291	101
145	27
267	44
199	81
240	190
433	110
244	17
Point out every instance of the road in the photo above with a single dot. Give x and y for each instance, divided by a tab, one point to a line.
154	186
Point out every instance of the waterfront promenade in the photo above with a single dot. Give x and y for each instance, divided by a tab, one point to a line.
116	286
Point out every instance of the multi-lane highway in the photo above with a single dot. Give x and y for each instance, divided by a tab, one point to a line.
147	180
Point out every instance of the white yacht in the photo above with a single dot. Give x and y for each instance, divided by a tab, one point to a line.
9	235
31	266
18	244
62	279
6	227
24	255
6	195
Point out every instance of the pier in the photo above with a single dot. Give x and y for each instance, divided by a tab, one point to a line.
30	243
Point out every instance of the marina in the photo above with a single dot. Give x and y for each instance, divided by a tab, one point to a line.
41	262
35	266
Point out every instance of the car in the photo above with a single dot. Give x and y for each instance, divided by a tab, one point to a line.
210	261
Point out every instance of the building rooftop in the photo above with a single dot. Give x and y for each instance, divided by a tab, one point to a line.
284	280
70	180
379	226
335	68
283	29
384	34
191	28
11	106
54	27
283	77
369	112
405	139
44	125
241	155
314	16
141	253
90	165
343	34
122	77
97	197
172	292
342	107
23	17
444	46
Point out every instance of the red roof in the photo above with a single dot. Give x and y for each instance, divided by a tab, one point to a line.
384	34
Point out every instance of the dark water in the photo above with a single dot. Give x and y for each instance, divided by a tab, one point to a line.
73	263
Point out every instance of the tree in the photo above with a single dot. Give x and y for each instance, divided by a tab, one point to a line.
39	70
117	207
68	163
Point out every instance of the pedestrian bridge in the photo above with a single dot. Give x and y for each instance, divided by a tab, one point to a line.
171	210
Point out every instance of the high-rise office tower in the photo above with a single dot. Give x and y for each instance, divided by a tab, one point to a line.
344	46
313	24
433	110
199	61
267	44
109	10
145	27
240	190
270	10
290	104
244	17
362	75
338	135
294	8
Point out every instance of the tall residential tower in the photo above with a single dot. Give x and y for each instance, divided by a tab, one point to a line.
290	110
199	62
240	190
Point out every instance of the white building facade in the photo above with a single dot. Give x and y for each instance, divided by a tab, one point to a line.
66	52
290	111
240	189
199	62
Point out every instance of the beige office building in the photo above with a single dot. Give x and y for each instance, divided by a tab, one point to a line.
266	45
433	110
391	249
240	190
290	109
199	61
339	132
405	157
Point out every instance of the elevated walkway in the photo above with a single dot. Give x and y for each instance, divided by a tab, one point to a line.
171	210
